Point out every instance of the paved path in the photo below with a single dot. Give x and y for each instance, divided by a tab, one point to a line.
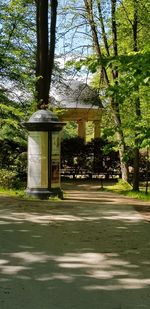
90	251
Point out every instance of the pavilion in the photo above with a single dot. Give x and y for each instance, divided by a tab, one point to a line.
78	102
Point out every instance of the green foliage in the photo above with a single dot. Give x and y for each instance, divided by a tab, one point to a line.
70	130
91	62
125	189
125	18
17	41
133	80
96	156
11	117
122	185
13	161
17	62
138	195
12	192
144	136
20	163
8	179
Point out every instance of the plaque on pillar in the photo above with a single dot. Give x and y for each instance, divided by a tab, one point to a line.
37	159
55	160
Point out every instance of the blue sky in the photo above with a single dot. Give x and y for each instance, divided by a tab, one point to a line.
75	38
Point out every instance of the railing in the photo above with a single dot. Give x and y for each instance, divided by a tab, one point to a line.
72	173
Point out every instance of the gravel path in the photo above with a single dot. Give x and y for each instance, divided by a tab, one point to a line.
89	251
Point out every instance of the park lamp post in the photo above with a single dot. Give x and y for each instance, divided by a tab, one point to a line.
43	178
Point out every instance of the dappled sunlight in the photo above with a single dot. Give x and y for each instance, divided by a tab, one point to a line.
2	222
100	196
31	257
97	265
3	262
44	220
134	283
12	270
93	271
125	216
129	284
101	212
81	253
37	218
56	276
105	267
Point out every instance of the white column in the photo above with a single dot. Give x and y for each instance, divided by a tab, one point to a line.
97	129
82	129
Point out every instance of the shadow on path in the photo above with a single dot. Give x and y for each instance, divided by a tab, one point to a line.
89	251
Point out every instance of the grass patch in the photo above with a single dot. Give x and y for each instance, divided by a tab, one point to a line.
22	194
125	189
12	192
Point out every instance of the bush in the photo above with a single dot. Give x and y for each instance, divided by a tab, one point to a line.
96	156
20	165
8	179
123	185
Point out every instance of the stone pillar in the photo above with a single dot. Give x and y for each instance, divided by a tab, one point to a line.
97	129
82	129
44	155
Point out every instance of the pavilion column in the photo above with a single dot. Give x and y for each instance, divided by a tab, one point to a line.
82	129
97	129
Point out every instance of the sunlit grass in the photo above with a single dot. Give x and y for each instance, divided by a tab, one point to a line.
22	194
12	192
125	188
120	187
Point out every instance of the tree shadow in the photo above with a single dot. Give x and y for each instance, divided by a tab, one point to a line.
73	255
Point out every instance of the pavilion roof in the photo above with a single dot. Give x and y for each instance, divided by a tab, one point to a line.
74	94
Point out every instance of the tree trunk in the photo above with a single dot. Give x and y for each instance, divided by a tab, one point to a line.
120	139
114	102
45	50
42	94
104	36
136	169
51	55
137	104
147	171
136	151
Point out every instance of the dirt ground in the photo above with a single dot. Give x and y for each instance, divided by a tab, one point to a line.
140	206
89	251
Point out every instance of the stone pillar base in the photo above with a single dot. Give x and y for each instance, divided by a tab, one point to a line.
57	192
44	194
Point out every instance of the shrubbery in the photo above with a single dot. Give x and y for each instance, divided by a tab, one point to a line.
13	164
96	156
8	179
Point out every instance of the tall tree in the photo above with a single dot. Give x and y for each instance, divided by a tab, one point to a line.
117	30
137	100
134	16
99	47
45	49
